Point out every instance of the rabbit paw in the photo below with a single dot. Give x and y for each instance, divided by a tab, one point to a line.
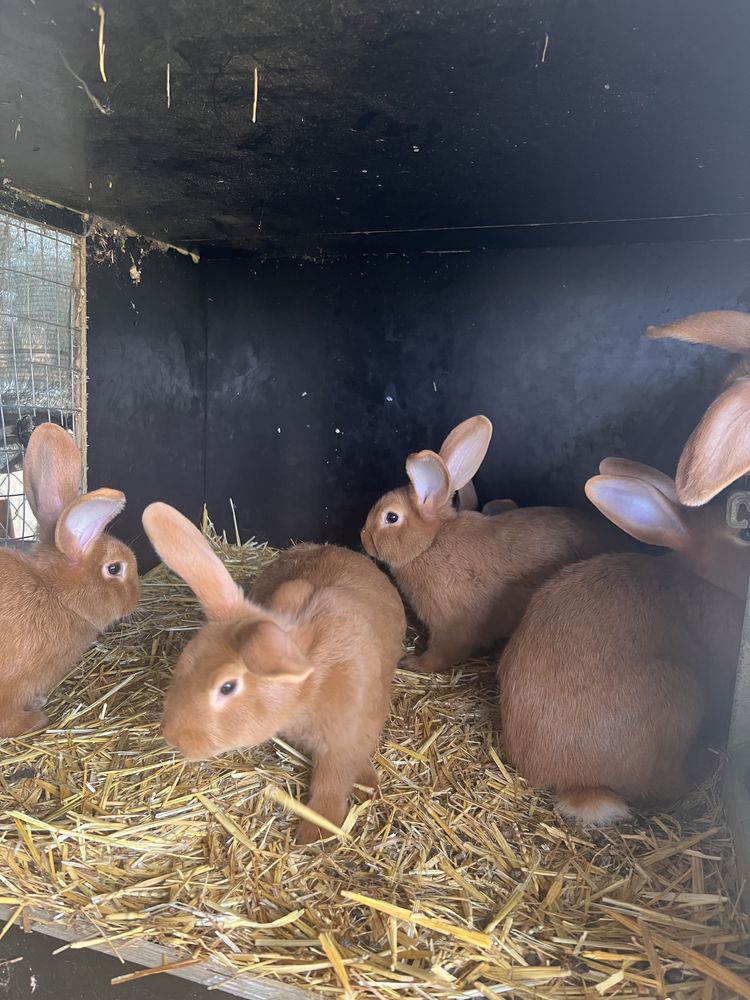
424	664
310	833
367	783
333	809
22	723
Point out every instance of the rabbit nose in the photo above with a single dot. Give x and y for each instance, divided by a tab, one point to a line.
191	745
170	733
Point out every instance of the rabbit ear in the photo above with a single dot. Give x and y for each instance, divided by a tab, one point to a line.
271	653
636	470
718	451
464	449
51	476
186	551
467	497
84	520
431	484
639	509
728	329
494	507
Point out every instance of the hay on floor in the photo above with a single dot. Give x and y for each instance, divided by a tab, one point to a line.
457	880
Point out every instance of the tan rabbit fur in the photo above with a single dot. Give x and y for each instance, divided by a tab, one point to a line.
621	673
311	658
73	584
606	684
467	575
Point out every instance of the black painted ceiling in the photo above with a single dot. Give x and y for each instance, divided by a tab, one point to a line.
381	123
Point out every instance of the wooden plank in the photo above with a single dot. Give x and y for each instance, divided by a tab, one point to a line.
736	795
80	362
739	733
736	787
151	956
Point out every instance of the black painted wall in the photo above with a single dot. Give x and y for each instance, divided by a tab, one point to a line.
146	388
297	388
322	376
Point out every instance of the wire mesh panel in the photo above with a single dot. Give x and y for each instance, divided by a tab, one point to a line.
42	322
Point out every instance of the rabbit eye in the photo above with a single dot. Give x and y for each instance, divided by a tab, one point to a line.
227	688
114	569
744	535
391	517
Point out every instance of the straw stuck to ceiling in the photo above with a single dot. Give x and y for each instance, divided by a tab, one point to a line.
456	880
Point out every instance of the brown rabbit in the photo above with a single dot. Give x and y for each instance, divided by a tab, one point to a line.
716	453
74	583
622	670
311	657
469	576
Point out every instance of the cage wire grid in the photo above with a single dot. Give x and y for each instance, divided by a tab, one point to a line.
42	352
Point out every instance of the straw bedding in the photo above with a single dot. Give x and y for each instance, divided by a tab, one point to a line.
457	880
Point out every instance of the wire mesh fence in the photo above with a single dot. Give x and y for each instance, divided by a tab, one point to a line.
42	322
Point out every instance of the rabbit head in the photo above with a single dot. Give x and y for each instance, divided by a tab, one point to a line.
93	570
238	680
90	569
404	522
643	502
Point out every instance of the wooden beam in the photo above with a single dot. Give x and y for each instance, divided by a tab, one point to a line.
151	956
